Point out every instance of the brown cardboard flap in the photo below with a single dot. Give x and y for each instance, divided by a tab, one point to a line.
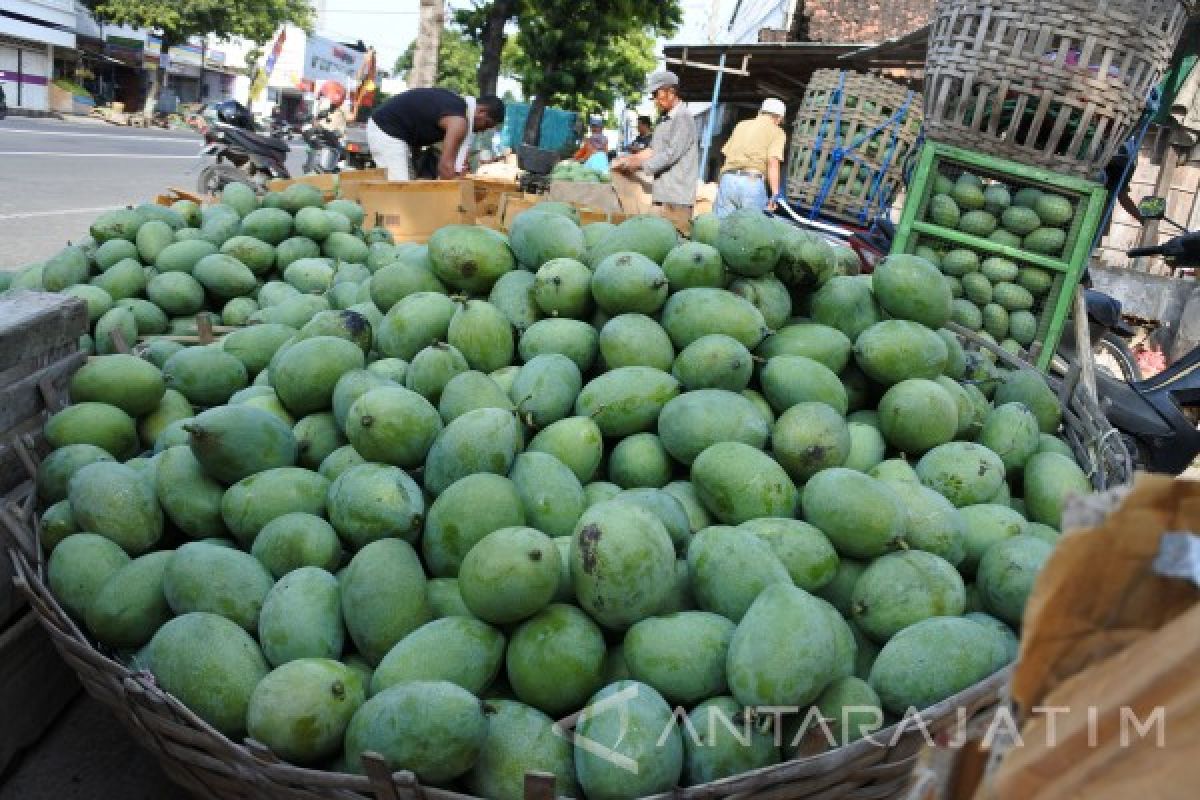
1097	593
1117	647
596	196
633	189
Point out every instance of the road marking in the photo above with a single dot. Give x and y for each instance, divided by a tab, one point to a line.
89	155
29	214
123	137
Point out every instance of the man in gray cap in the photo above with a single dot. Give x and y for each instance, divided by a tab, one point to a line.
673	155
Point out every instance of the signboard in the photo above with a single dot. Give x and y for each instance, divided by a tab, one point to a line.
153	51
124	48
190	55
326	60
214	58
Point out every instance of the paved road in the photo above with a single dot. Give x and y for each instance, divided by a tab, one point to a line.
55	177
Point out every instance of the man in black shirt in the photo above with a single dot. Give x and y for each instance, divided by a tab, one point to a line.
419	118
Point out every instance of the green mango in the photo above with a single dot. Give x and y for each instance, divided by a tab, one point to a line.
622	563
681	655
78	569
372	501
469	509
210	665
248	505
509	575
301	617
383	596
301	710
296	540
642	749
217	580
131	606
461	650
111	500
190	498
555	659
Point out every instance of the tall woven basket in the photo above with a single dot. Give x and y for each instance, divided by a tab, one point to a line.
1053	83
851	141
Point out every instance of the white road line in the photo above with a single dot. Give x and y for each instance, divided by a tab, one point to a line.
29	214
89	155
131	137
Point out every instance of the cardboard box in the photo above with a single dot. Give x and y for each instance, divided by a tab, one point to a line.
413	210
633	192
1114	645
596	196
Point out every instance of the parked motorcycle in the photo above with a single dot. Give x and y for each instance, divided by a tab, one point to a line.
324	150
1158	416
238	153
3	104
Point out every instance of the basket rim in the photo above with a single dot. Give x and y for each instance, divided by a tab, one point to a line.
927	722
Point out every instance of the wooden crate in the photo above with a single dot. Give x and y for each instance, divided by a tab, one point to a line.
39	352
918	230
413	210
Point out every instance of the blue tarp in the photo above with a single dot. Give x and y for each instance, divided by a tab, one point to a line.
557	132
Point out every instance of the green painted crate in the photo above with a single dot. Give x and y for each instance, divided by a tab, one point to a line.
1052	273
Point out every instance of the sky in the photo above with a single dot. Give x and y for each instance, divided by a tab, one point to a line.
391	25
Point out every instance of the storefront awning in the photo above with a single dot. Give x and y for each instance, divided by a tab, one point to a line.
752	71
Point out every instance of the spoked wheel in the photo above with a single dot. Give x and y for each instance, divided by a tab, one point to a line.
216	177
1114	357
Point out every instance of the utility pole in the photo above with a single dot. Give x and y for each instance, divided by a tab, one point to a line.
429	34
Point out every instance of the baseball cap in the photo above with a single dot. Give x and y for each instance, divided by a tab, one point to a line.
773	105
660	80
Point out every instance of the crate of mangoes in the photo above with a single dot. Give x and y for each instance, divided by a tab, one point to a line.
1011	240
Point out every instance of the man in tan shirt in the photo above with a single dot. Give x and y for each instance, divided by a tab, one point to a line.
753	159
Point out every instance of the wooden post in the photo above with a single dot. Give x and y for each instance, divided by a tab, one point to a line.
1170	158
1083	346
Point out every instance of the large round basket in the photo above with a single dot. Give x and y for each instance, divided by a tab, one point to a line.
1058	84
211	766
851	141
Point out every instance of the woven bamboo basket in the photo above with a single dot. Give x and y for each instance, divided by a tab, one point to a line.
1053	83
213	767
851	141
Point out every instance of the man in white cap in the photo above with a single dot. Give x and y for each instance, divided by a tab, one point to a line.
753	159
673	155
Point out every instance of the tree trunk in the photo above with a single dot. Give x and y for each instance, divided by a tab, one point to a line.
491	40
533	125
156	82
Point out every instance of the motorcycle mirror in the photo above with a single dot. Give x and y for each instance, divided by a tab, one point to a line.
1153	207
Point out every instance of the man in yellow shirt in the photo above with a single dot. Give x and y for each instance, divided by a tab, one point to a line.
753	159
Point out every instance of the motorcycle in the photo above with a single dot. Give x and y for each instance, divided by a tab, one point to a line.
3	104
1158	416
238	153
324	150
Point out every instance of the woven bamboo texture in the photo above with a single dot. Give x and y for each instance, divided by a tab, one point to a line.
212	767
1054	83
851	141
1097	445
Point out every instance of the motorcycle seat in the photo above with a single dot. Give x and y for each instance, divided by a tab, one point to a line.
1106	311
256	141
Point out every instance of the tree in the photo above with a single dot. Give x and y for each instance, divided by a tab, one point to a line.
458	60
484	24
586	55
256	20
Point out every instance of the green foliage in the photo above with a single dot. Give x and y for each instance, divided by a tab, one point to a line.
581	56
458	61
256	20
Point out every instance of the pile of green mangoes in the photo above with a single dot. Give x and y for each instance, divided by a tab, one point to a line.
433	497
999	298
575	172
